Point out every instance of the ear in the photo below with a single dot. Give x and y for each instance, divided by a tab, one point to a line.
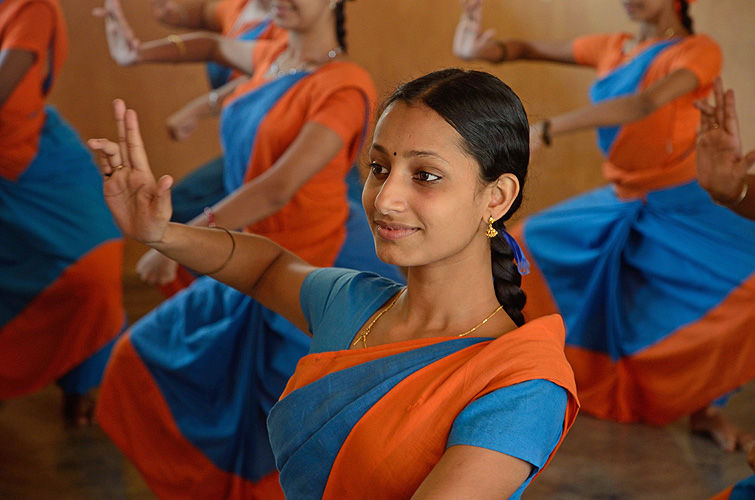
502	195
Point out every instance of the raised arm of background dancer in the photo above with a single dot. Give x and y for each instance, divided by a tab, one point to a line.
314	147
471	43
183	122
623	109
126	49
310	152
721	168
141	207
196	15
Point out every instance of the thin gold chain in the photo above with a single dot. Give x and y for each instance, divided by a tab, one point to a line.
363	337
481	322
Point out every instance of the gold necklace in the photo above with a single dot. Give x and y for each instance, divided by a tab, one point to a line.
363	337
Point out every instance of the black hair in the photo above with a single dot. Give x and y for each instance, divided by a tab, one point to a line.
490	118
341	24
685	17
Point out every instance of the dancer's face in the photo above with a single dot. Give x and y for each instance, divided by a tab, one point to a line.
301	15
423	196
647	10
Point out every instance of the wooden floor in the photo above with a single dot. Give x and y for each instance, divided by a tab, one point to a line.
41	460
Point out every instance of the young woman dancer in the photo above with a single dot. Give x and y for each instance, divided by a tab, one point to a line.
188	390
433	390
654	280
61	255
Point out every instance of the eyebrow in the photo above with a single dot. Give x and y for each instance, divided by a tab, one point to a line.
412	153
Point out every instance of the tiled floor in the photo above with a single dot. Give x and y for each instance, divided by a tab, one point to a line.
40	460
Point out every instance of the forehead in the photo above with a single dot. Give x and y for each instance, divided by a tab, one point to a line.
416	126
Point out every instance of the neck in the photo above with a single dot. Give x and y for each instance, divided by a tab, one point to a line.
666	25
438	302
313	45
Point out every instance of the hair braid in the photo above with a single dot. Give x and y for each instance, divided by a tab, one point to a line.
506	277
341	24
685	17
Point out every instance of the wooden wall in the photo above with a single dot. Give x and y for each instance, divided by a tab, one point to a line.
397	40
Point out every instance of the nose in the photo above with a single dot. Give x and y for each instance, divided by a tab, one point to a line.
391	195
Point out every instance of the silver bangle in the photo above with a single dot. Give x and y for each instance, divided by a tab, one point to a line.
736	202
212	100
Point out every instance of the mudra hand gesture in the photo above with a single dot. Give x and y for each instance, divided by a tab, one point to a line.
721	167
140	204
121	41
468	41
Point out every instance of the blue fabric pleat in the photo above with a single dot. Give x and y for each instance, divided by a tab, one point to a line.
622	81
218	74
626	274
201	188
52	215
239	123
88	375
221	360
744	490
310	425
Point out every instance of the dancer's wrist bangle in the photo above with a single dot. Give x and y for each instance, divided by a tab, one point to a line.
740	198
180	45
230	256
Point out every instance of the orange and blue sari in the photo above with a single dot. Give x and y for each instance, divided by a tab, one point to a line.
189	387
743	490
372	423
655	282
61	301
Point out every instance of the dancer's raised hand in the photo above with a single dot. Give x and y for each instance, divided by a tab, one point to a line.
721	167
140	204
121	41
468	42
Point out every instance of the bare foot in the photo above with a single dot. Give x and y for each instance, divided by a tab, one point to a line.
78	410
713	423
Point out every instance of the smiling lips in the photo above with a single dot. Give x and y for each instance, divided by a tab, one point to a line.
393	231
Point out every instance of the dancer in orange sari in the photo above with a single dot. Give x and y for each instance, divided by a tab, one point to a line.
61	301
654	280
434	390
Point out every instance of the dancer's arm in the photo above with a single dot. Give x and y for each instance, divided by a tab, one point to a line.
473	472
721	168
15	63
182	123
471	43
618	111
196	15
126	49
141	207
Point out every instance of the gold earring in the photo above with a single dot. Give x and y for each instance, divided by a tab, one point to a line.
490	232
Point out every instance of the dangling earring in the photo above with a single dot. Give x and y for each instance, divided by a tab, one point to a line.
490	232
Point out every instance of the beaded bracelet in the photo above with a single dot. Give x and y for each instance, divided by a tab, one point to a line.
230	256
210	217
